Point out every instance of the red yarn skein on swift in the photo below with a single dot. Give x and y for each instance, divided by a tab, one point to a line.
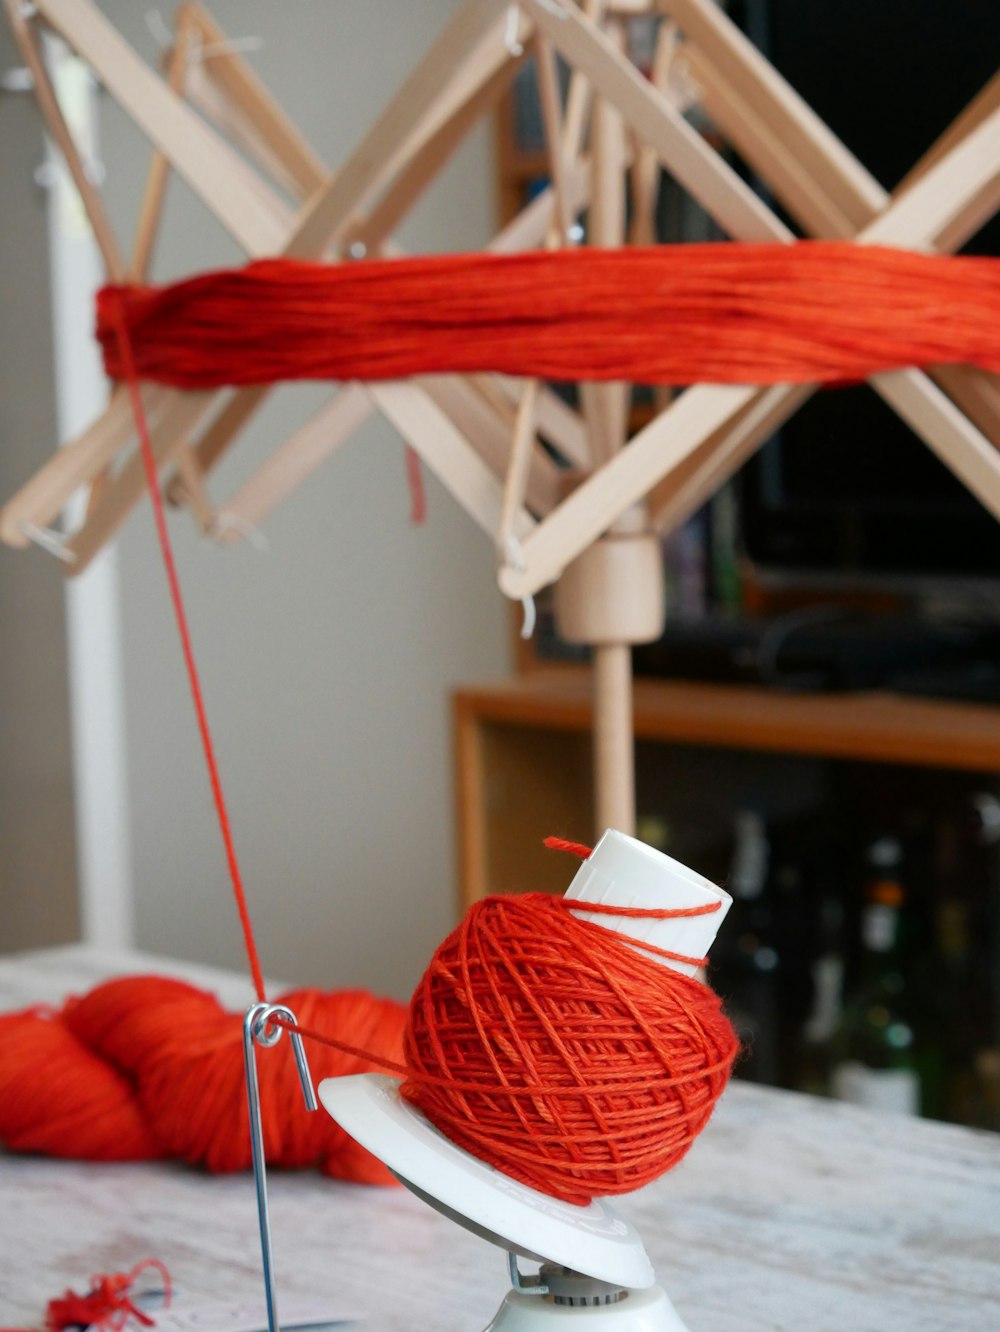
548	1047
811	312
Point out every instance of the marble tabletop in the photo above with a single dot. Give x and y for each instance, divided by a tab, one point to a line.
788	1213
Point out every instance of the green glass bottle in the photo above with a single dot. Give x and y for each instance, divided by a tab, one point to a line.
874	1049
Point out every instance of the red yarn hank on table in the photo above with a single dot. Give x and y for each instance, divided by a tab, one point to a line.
811	312
147	1067
548	1047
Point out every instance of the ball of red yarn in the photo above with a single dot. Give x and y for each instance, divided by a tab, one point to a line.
548	1047
146	1067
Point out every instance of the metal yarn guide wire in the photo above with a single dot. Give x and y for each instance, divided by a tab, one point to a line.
259	1028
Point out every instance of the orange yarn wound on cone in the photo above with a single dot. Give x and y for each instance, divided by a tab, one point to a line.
814	311
146	1067
548	1047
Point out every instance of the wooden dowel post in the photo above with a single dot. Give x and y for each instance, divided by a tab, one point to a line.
610	597
614	749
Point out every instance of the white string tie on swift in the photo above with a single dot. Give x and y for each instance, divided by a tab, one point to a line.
513	559
49	540
225	522
160	30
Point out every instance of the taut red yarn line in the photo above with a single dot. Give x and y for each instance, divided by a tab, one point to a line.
149	461
310	1033
643	913
809	312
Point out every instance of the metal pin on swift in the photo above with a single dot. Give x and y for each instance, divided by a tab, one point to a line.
259	1029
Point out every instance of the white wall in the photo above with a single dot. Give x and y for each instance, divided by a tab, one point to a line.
37	855
327	660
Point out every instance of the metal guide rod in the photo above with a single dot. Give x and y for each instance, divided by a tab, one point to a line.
259	1029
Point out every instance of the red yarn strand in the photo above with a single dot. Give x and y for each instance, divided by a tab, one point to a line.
127	361
643	913
415	480
574	848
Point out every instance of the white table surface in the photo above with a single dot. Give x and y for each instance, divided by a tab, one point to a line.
788	1213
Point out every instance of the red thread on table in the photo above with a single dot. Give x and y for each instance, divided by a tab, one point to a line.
810	312
147	1067
108	1304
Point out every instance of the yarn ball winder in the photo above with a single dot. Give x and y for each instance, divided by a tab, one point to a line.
593	1264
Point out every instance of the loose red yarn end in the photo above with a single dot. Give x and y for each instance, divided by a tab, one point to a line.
549	1048
108	1303
574	848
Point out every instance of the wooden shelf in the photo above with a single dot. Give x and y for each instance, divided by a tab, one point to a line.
875	727
516	781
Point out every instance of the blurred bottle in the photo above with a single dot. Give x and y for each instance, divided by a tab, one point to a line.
983	1106
745	958
814	1064
960	983
655	831
874	1047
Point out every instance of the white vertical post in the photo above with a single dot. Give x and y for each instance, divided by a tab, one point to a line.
94	643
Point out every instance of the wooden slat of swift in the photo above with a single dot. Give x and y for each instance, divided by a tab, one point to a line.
41	499
686	488
645	171
946	430
413	112
206	161
210	101
982	105
480	417
606	405
212	169
447	452
607	493
55	123
950	191
301	454
180	416
427	162
683	151
524	440
791	120
792	179
154	195
240	87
